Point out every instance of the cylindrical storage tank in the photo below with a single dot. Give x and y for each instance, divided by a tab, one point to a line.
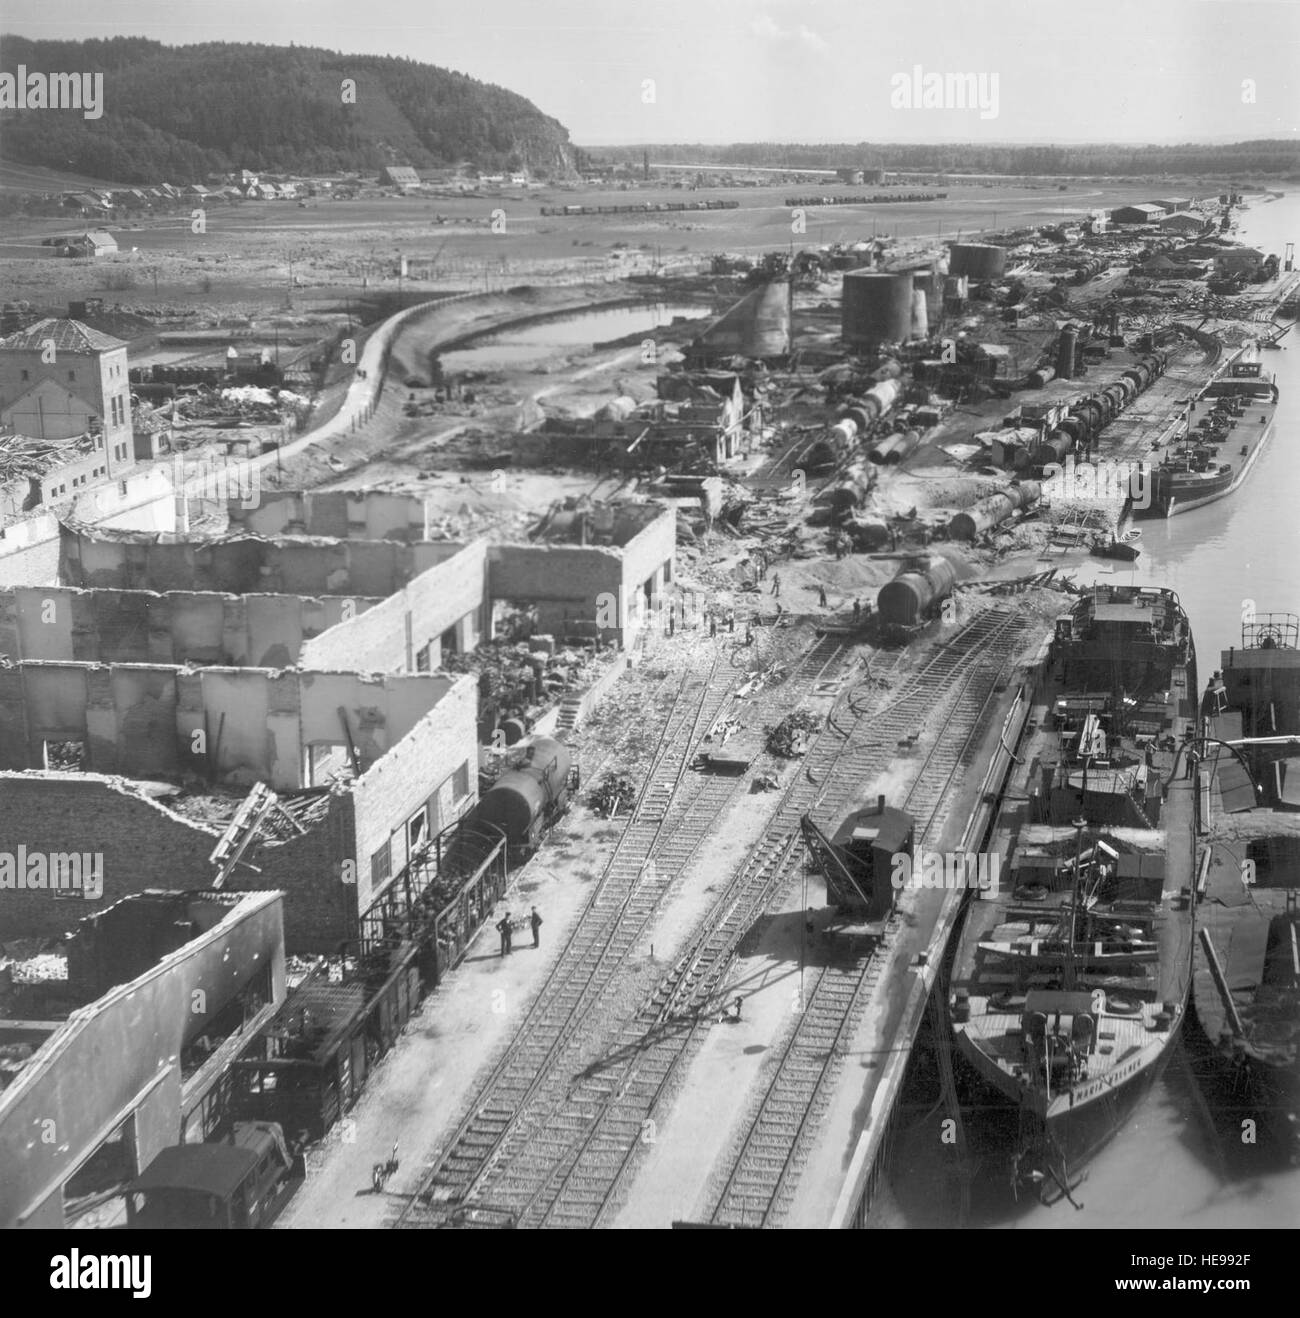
1089	412
930	284
904	446
851	491
1043	375
1072	426
883	447
875	308
1065	350
1030	493
980	261
1052	449
511	804
1115	392
887	370
907	599
883	395
956	288
920	316
867	533
980	517
1134	382
1107	405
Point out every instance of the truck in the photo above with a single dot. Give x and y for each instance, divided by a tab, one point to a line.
240	1182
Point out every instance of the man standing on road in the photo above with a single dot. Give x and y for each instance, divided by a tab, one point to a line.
821	596
503	927
536	921
776	584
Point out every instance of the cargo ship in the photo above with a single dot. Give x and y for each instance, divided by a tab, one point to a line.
1246	983
1070	983
1227	428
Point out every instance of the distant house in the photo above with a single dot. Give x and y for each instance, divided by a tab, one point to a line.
87	203
288	191
95	242
400	176
1145	213
196	191
1238	261
247	178
170	189
261	192
1182	222
1172	204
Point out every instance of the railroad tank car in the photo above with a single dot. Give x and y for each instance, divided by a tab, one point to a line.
1054	448
994	509
913	595
851	491
904	446
526	800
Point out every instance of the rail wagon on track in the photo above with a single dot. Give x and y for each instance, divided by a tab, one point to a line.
530	796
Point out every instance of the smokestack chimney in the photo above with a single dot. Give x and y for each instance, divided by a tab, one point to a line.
880	804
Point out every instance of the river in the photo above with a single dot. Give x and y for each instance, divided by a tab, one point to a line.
1168	1167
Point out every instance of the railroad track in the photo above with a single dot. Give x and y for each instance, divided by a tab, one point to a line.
610	1112
508	1127
764	1172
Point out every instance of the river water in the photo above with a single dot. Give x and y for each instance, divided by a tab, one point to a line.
1177	1163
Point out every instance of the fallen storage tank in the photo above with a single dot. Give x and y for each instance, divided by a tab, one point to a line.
915	594
1043	375
993	510
850	491
896	447
875	308
867	533
524	799
979	261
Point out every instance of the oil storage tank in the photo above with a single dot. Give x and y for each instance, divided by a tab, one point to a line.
758	326
525	800
915	594
979	261
875	308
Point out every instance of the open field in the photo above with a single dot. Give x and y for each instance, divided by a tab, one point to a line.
346	248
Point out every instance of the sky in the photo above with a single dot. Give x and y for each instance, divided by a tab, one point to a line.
627	71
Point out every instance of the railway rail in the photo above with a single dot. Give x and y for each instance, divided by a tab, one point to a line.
608	1113
507	1126
763	1175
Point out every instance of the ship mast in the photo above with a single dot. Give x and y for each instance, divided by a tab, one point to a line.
1079	825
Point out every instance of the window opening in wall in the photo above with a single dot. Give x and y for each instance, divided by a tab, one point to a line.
448	641
65	756
422	658
381	865
460	782
327	762
417	830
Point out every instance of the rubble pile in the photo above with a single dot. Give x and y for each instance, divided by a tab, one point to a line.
790	738
613	795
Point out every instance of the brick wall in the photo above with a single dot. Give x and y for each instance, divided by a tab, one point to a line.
388	637
109	626
421	766
345	514
145	845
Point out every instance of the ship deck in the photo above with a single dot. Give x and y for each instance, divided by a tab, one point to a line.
992	1039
